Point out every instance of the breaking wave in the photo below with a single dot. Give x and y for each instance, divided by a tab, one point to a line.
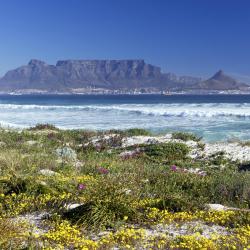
165	110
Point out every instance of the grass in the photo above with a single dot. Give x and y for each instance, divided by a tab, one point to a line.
113	193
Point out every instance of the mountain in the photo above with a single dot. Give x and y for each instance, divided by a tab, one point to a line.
220	81
72	74
68	75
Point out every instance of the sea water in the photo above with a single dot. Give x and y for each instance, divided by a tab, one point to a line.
215	117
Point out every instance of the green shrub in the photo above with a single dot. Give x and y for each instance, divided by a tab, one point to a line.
184	136
107	204
45	126
218	158
136	132
229	187
167	152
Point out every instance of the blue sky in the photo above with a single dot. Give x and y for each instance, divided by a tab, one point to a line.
189	37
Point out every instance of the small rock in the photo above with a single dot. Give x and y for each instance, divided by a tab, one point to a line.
127	191
60	161
66	152
72	206
191	144
168	136
216	207
35	220
31	143
48	172
104	233
152	141
98	146
79	164
2	144
130	153
187	228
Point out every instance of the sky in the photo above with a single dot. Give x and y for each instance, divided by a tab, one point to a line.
186	37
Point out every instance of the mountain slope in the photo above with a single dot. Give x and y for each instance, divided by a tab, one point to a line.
220	81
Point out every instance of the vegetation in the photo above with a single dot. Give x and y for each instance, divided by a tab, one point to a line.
184	136
90	197
43	127
136	132
245	143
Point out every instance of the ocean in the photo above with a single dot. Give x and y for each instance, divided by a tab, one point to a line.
215	117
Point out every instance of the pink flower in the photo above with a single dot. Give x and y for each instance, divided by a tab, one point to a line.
202	173
174	168
98	147
102	170
81	186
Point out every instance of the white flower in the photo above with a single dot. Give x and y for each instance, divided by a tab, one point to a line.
127	191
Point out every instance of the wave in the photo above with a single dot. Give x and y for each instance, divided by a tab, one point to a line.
164	110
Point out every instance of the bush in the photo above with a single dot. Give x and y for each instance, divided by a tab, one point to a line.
46	126
167	152
136	132
107	204
185	136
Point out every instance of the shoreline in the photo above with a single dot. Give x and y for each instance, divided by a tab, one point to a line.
234	150
160	136
121	94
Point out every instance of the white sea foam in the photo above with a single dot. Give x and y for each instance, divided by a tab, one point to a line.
217	120
167	110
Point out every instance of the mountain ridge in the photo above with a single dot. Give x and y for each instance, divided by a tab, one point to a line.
107	74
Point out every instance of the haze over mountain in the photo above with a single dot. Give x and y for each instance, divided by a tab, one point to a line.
107	74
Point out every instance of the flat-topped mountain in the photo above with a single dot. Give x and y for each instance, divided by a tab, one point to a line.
220	81
111	74
69	75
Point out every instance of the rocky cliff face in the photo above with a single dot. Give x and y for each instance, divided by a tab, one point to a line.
108	73
35	75
112	74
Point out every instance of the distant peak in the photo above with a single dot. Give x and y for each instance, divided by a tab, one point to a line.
36	62
219	73
221	77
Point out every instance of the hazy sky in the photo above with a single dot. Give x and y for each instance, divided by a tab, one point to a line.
194	37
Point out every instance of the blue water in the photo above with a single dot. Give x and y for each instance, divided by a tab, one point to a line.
215	117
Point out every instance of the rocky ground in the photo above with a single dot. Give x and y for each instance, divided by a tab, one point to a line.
235	151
